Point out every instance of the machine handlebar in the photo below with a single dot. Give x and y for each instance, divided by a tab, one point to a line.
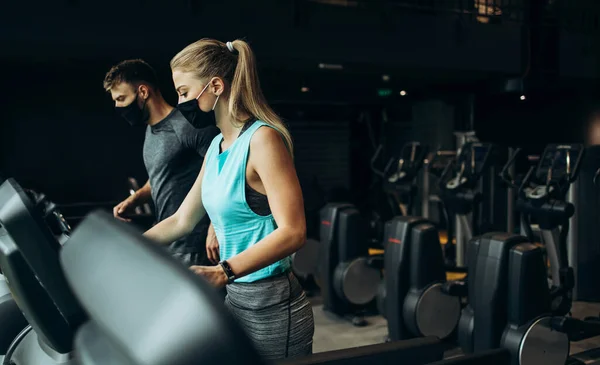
374	159
444	157
574	174
409	162
554	180
505	175
50	212
466	167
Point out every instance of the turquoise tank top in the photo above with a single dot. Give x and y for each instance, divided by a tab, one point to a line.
224	197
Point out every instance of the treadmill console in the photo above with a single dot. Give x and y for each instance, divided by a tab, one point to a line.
29	258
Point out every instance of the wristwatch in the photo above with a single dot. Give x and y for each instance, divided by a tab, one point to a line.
230	275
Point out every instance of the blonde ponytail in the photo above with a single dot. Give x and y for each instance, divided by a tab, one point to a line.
246	94
209	58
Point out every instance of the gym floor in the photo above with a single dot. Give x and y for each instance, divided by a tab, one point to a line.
333	333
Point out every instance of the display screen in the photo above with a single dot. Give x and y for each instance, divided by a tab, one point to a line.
557	162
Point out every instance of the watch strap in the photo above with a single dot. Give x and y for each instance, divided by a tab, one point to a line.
228	272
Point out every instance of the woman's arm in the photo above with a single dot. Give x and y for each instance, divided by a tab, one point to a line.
185	218
275	167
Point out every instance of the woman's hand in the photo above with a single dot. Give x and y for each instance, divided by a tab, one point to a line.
215	275
212	245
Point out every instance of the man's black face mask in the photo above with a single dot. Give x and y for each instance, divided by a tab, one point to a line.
133	114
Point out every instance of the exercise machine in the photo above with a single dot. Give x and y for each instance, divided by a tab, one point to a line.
542	198
539	325
407	266
483	319
129	319
398	178
348	276
417	299
415	303
460	194
393	190
29	261
512	304
142	215
11	318
132	318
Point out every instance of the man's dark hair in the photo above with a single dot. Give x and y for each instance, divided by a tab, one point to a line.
133	72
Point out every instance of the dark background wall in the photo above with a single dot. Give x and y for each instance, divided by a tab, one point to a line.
58	132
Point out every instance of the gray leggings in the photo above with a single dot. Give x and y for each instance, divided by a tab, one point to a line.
275	314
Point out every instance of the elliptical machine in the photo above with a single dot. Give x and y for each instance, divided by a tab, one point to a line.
394	187
348	277
459	192
347	274
399	175
539	329
417	302
511	303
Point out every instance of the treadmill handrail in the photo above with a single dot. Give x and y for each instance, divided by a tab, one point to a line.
423	350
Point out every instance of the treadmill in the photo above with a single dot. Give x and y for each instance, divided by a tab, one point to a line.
29	262
168	315
11	317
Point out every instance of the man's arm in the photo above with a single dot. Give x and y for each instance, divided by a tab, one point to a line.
143	195
138	198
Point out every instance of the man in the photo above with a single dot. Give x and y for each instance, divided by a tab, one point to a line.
173	153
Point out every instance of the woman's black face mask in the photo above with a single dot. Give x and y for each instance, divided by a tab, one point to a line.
192	112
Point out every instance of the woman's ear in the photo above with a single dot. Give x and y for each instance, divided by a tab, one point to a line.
217	85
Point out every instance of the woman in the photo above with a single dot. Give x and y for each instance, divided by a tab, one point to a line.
249	188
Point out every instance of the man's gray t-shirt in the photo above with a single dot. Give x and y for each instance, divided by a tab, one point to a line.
173	154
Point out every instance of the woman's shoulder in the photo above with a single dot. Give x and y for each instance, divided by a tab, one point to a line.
266	137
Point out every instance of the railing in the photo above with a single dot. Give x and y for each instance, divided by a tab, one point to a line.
575	15
483	11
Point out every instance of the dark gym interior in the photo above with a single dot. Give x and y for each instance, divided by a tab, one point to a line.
346	76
